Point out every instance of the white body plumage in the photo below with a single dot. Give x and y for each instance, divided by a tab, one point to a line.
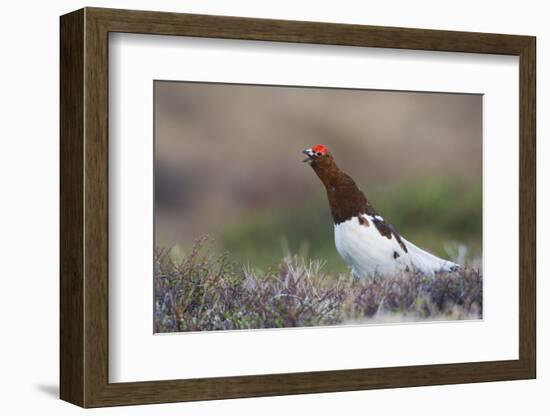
368	253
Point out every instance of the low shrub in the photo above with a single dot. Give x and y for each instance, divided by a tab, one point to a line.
203	292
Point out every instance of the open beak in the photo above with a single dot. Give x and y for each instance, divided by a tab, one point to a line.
309	154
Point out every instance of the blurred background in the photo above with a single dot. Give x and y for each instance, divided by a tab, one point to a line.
228	164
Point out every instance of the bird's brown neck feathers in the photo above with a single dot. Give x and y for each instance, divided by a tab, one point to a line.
345	199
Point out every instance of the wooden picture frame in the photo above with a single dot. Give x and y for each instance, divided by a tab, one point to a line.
84	207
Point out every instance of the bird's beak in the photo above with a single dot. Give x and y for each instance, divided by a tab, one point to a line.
309	154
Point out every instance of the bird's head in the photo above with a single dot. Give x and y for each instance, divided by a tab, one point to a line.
317	154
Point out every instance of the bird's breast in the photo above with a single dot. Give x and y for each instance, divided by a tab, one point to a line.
365	250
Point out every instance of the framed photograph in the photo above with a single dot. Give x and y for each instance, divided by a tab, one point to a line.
254	207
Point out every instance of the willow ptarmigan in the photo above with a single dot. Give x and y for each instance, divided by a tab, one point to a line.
366	242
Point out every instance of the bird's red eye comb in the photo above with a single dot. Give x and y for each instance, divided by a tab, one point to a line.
319	148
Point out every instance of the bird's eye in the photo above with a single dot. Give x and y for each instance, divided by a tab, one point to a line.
319	154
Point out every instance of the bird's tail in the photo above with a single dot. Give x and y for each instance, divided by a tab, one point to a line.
428	263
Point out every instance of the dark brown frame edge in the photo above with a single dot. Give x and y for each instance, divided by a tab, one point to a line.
84	207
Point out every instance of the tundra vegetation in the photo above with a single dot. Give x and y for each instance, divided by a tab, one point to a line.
203	291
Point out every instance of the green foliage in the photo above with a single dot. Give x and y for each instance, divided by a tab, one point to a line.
205	292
